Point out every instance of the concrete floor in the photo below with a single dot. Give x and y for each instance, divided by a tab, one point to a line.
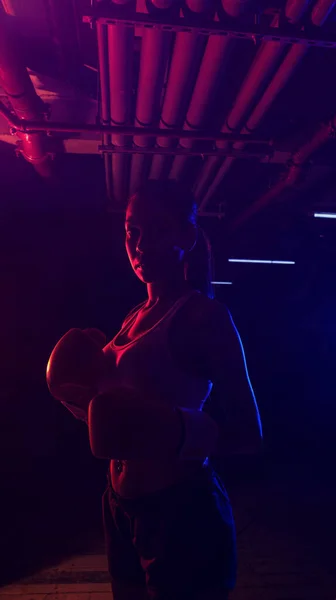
286	530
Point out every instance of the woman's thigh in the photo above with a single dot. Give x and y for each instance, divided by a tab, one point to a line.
123	560
189	546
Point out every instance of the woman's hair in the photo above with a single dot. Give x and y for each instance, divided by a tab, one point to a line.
180	200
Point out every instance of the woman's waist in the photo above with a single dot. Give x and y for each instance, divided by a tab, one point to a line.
135	478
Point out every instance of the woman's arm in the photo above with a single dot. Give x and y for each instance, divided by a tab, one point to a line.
221	355
125	425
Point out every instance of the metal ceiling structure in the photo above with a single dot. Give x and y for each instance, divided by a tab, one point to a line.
235	97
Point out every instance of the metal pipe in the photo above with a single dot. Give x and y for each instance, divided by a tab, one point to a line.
286	69
280	79
183	70
234	8
120	48
155	47
284	73
153	63
186	58
294	10
211	71
321	12
262	68
103	73
8	7
26	103
104	100
297	163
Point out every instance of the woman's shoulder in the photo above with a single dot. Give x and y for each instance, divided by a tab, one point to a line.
196	322
204	310
204	337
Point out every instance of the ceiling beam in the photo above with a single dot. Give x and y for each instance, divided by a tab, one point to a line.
112	15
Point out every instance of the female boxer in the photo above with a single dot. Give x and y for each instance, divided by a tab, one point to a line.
168	522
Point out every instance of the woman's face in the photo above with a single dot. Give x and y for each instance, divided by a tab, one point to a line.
155	240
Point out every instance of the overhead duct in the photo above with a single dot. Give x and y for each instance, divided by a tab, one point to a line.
262	68
287	68
27	105
187	54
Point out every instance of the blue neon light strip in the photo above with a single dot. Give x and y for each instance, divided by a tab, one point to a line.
325	215
261	262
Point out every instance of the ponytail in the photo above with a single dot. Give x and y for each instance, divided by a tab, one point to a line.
199	265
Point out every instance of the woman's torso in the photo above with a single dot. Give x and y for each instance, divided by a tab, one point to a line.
144	358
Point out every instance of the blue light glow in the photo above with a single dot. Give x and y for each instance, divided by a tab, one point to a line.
247	373
325	215
221	282
261	262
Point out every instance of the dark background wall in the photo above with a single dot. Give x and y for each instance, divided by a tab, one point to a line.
63	265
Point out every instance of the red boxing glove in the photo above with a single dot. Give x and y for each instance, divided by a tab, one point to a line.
75	367
124	425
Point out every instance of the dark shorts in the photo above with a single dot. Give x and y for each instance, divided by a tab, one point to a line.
176	542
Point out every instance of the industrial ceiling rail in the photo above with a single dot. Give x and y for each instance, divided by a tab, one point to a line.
111	149
110	15
23	126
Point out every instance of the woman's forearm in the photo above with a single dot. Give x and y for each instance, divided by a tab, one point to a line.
200	434
123	427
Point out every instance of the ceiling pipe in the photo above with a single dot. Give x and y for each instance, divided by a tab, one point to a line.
105	116
321	12
234	8
8	7
211	71
262	68
155	48
120	40
186	58
297	164
15	81
286	70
